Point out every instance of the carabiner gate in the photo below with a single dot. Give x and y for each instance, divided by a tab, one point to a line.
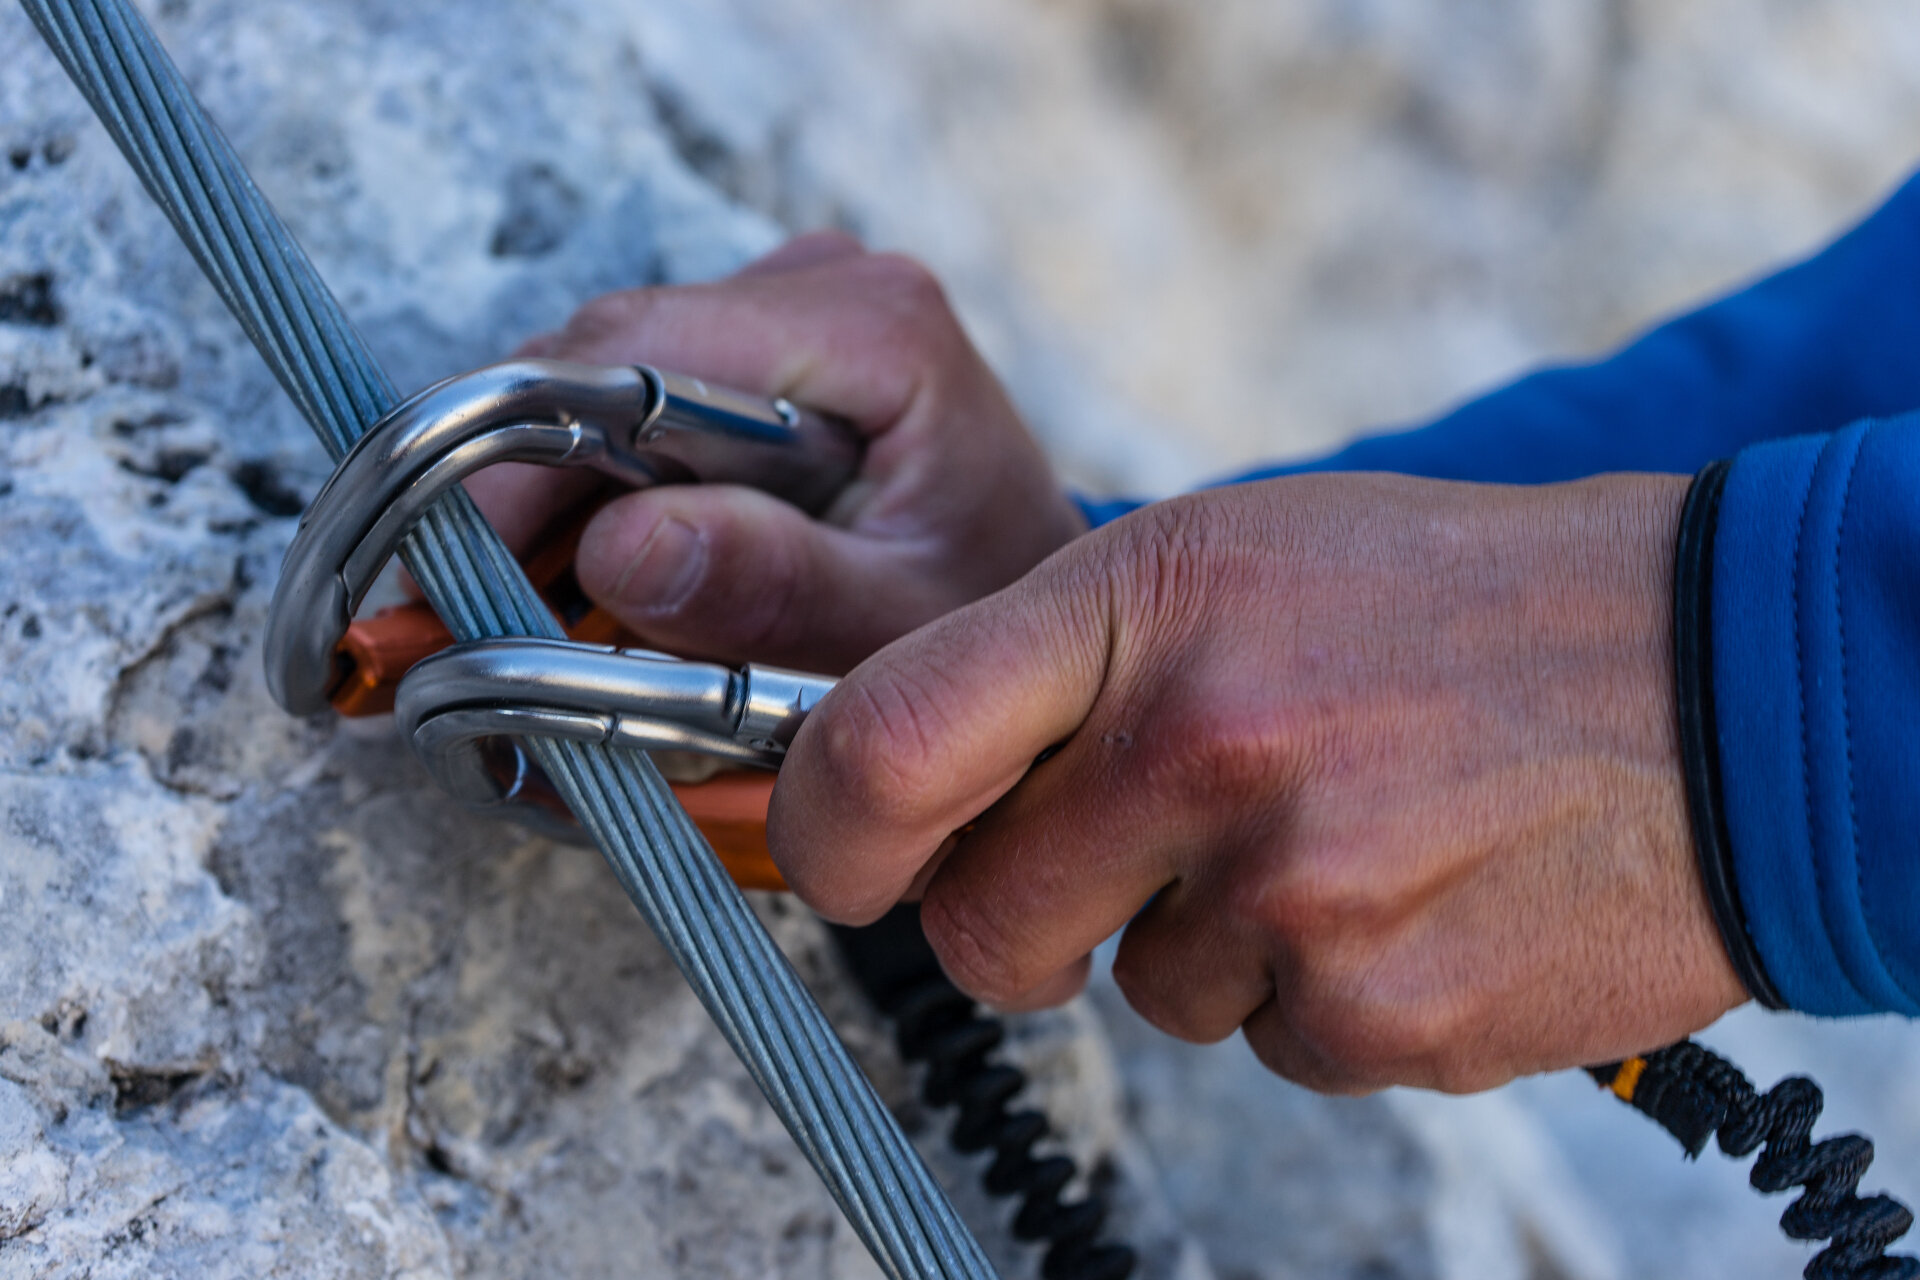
460	706
465	709
634	423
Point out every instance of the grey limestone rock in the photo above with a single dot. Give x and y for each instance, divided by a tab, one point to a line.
270	1006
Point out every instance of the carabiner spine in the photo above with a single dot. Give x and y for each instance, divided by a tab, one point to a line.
463	709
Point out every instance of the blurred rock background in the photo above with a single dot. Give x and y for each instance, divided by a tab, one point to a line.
269	1006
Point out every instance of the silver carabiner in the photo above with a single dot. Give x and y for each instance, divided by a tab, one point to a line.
463	710
635	423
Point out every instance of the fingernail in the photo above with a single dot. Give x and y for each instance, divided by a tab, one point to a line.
664	571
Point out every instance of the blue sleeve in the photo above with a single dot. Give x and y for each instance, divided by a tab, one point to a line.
1815	605
1816	689
1811	349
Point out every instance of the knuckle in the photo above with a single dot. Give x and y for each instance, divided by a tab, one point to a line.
1371	1035
880	744
923	324
1162	559
1344	1044
1219	734
828	240
1457	1073
844	747
1325	894
753	595
835	898
763	624
608	313
1298	906
1292	1060
909	282
1160	1001
1225	756
974	949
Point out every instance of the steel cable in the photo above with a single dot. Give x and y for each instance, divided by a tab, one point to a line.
659	857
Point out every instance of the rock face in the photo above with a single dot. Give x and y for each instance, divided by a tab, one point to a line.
270	1006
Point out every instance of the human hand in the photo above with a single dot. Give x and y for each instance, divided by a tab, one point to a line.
1384	771
954	501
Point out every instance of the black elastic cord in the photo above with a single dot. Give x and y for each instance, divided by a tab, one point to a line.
939	1026
1699	738
1696	1095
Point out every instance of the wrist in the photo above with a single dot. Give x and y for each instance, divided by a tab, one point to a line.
1699	737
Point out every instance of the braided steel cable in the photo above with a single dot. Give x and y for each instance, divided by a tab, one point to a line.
479	590
1694	1094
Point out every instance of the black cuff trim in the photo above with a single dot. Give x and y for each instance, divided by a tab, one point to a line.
1699	738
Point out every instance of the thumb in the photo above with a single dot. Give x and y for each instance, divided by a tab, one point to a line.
732	574
928	734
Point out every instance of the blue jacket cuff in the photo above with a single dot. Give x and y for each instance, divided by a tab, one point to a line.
1815	621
